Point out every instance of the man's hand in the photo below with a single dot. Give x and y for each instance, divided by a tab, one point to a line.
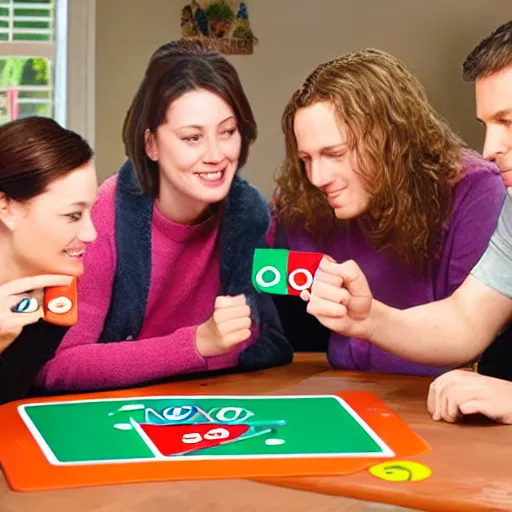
340	298
229	326
460	392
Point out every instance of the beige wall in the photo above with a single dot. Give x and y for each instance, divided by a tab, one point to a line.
432	37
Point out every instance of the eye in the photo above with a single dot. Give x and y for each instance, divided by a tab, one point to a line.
74	217
229	133
192	138
336	156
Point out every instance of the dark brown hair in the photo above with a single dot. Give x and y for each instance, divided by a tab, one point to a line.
174	69
491	55
34	151
406	153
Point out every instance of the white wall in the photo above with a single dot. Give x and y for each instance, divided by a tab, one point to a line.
431	37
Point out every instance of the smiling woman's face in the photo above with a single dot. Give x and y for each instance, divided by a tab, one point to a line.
50	232
197	149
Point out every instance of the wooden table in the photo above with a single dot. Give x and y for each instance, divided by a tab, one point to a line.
471	464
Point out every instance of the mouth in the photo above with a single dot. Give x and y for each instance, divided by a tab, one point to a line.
211	177
75	253
332	196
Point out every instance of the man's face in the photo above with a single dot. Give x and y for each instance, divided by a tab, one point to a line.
494	110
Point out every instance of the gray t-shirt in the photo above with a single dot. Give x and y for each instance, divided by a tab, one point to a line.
495	266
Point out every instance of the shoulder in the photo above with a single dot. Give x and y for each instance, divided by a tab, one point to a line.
248	206
104	210
107	191
243	191
477	171
480	182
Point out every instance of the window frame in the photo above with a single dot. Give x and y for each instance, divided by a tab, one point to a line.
73	55
81	68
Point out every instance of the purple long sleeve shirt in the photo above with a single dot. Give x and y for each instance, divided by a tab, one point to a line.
185	280
478	199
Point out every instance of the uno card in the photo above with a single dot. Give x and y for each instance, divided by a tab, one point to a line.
60	304
284	272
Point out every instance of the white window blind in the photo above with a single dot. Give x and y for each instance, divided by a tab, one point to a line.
28	58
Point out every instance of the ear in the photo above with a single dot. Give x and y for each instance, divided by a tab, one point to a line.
8	212
150	145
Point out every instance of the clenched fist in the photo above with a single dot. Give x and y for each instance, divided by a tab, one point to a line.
229	326
340	298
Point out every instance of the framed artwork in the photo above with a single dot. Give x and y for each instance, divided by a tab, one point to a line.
219	24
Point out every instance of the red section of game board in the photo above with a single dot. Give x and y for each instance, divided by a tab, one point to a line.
181	439
302	260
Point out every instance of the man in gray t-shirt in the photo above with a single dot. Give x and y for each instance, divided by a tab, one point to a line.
495	266
457	330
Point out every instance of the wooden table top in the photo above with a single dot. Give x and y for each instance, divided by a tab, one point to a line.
471	463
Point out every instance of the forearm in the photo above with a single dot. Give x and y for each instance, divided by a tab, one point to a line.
122	364
438	333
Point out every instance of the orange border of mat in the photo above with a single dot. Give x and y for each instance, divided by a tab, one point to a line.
26	467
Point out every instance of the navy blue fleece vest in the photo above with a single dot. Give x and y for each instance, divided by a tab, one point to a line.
245	222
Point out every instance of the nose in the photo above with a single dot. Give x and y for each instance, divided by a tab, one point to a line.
318	175
214	152
494	144
88	233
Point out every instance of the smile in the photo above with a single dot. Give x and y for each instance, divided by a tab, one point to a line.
212	177
333	195
75	253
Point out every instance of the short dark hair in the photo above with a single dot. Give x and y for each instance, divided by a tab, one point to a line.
34	152
491	55
174	69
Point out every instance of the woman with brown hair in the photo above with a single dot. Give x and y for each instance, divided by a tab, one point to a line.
374	174
168	286
47	188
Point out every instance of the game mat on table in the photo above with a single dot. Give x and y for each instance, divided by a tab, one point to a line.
101	438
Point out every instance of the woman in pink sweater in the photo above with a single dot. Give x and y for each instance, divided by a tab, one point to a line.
167	288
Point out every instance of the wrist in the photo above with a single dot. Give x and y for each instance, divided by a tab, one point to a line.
201	340
376	320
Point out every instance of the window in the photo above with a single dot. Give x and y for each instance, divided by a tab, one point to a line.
29	78
47	61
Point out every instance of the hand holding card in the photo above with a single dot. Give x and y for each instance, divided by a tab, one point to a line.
60	304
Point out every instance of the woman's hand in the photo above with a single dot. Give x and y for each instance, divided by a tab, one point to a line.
15	314
229	326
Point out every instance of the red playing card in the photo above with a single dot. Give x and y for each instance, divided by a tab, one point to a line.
301	270
60	304
181	439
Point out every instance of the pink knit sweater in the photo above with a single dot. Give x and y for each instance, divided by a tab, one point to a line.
185	280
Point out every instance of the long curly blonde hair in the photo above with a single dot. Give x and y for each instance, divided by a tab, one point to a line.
408	156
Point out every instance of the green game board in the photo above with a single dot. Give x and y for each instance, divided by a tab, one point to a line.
200	428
